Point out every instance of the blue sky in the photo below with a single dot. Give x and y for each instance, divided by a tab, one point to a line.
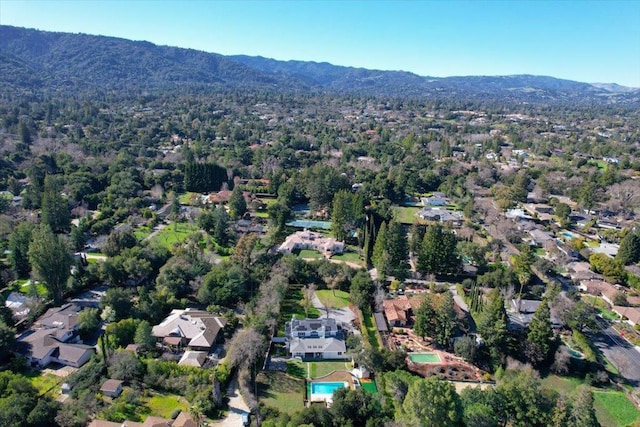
588	41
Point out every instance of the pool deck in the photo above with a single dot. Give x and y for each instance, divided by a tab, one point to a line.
335	376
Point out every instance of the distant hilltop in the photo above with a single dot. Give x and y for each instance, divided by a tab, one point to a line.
41	61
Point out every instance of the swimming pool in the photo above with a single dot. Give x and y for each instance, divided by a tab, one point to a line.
319	391
424	357
569	235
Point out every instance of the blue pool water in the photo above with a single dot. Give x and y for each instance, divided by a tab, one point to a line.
326	388
307	223
569	235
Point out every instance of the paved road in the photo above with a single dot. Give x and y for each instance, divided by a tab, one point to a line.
624	356
237	407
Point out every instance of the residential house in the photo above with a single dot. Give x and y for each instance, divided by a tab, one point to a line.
315	339
443	216
437	199
191	328
193	358
63	318
111	388
44	346
398	311
599	288
311	240
630	314
521	314
540	237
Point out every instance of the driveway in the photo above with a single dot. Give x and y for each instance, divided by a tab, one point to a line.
237	407
344	315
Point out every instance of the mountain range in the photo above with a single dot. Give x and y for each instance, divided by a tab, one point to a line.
33	61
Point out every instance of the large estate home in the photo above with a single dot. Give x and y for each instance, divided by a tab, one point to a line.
315	339
311	240
195	329
54	339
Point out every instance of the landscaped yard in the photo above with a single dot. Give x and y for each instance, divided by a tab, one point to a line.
281	391
291	306
369	330
176	232
163	405
339	300
322	368
406	215
350	256
310	253
45	383
614	409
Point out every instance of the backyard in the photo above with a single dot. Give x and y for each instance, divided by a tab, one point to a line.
334	299
292	307
406	215
281	390
176	232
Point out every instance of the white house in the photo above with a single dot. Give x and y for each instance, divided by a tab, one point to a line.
311	240
315	339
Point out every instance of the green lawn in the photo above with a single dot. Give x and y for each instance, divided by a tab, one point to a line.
26	288
45	383
310	253
353	257
323	368
291	306
369	386
173	233
281	391
339	300
142	232
163	405
369	330
187	198
406	215
614	409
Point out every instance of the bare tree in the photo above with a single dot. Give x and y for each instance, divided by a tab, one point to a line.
307	298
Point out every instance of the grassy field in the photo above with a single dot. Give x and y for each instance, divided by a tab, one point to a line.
163	405
339	300
613	409
291	306
310	253
369	330
353	257
187	198
323	368
176	232
281	391
406	215
142	232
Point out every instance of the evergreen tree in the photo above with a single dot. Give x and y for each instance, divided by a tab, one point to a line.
582	411
431	402
425	325
398	250
55	208
439	252
378	258
492	325
19	248
540	336
237	203
446	320
629	252
51	261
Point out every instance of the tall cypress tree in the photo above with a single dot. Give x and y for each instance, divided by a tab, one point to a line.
540	336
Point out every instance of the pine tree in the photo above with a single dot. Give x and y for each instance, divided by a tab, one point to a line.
439	252
629	251
492	325
237	204
55	208
378	258
540	336
398	250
